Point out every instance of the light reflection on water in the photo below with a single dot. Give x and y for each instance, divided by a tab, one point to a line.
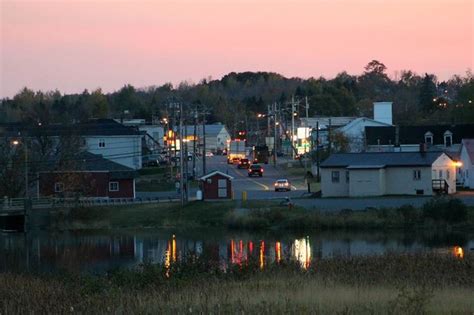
101	252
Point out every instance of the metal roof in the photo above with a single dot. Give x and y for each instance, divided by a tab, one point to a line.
416	134
89	162
93	127
215	173
387	159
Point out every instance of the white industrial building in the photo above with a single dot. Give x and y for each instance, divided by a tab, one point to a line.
216	136
387	173
352	128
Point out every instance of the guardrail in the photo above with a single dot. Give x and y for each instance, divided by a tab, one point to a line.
17	204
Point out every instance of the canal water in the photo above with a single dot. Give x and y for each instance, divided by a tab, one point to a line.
101	251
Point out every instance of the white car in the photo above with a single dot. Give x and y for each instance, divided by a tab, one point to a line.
209	154
282	184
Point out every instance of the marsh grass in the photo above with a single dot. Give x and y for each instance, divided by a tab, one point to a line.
389	284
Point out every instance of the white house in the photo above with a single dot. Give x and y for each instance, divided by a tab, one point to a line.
466	168
387	173
105	137
112	140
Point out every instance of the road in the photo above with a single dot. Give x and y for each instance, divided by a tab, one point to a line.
256	187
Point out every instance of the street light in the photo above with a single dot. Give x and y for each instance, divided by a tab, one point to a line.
17	143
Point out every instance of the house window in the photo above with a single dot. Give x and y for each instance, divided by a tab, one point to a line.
58	187
440	174
448	138
416	174
113	186
429	138
447	174
347	176
335	176
101	143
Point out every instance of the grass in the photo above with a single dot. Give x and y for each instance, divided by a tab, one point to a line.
264	215
154	185
389	284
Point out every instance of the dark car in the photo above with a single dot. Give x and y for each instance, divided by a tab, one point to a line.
244	163
255	169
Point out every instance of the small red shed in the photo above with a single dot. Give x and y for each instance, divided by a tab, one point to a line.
216	185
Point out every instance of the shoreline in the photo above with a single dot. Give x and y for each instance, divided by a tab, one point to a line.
441	214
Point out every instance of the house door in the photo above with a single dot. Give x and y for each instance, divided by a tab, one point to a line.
222	188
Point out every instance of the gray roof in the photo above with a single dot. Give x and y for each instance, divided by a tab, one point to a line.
211	130
89	162
93	127
381	159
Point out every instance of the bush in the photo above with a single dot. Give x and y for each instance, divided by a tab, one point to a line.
409	214
450	210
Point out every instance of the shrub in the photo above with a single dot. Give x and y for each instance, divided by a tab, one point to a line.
450	210
409	214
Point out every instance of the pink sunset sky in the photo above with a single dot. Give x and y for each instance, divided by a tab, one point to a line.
76	45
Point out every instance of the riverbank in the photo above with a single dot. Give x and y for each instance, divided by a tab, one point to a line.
444	213
383	284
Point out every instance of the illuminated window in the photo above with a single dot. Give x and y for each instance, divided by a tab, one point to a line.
113	186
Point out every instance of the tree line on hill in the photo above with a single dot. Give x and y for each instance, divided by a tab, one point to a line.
238	96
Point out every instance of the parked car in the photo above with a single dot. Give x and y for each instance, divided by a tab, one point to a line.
255	169
209	154
244	163
151	161
282	184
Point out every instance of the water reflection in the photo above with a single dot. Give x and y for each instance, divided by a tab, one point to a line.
101	252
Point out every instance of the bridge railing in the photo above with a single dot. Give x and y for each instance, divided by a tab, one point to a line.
15	204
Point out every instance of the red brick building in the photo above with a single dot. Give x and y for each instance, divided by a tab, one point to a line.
216	185
88	176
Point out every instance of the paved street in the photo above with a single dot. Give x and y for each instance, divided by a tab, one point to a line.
256	187
336	204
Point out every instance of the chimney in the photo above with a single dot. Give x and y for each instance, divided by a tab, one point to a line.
422	147
397	135
383	112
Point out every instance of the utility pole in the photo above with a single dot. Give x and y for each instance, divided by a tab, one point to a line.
186	165
181	177
329	137
194	143
27	195
204	143
268	121
275	133
317	150
307	106
293	126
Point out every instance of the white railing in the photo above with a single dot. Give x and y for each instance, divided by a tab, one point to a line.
16	204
